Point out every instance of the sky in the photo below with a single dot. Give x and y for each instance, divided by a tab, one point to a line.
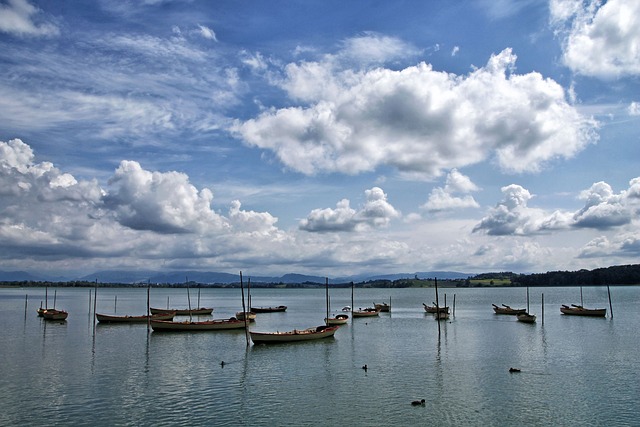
319	137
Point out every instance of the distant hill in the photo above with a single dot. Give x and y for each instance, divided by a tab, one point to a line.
210	277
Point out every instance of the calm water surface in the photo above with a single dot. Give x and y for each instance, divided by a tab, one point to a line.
575	371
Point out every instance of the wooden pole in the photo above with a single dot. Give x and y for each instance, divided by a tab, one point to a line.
46	297
581	303
527	299
610	306
326	286
437	304
542	308
198	306
244	311
454	305
26	299
352	307
95	298
148	306
189	299
55	295
90	290
115	304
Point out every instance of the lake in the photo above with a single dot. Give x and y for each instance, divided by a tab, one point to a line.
574	370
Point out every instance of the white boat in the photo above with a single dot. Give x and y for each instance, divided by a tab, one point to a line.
365	312
319	332
339	319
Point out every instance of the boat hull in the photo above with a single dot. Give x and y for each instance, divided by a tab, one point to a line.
433	309
340	319
526	318
277	309
368	312
383	307
52	314
182	312
581	311
293	336
105	318
508	310
207	325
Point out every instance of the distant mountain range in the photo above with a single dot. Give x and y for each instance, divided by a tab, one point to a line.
141	276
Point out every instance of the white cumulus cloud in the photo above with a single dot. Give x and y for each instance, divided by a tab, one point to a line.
600	39
418	120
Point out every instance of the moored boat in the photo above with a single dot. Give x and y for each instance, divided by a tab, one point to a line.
182	311
53	314
107	318
578	310
206	325
277	309
250	315
295	335
366	312
526	317
505	309
382	307
339	319
434	308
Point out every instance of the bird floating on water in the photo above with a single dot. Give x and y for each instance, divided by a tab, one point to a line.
365	367
418	402
514	370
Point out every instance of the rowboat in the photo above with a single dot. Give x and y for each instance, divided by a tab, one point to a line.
579	310
434	308
182	311
53	314
268	309
367	312
319	332
339	319
207	325
106	318
382	307
526	318
505	309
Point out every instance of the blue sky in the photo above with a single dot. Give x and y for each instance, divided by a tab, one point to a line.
319	137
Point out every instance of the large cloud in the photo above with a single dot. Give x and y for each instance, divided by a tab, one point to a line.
418	120
603	210
376	212
600	38
162	202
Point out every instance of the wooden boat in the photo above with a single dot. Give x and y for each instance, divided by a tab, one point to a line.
339	319
251	316
41	311
578	310
382	307
505	309
53	314
182	311
526	317
319	332
434	308
206	325
106	318
367	312
277	309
